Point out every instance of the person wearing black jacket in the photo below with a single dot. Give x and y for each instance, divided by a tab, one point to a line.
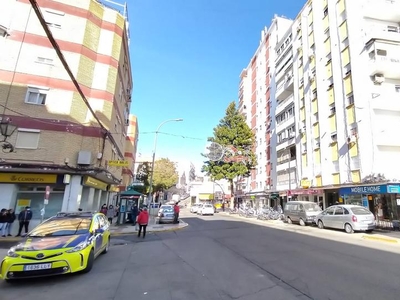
10	220
24	217
3	221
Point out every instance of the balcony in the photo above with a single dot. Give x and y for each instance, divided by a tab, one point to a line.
384	33
285	165
388	10
286	143
388	66
285	89
283	104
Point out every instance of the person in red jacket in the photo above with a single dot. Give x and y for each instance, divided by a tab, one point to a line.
143	220
176	213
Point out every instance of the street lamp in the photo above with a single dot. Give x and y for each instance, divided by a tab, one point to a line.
154	155
6	130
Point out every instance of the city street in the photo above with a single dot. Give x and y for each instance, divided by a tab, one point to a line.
223	257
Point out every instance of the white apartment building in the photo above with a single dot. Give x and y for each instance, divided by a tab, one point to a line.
256	101
284	173
347	101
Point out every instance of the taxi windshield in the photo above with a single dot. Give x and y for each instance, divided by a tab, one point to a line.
62	227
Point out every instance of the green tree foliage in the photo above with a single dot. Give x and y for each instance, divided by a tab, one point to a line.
165	174
232	130
143	174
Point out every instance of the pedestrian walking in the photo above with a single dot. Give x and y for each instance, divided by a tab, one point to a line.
110	213
134	213
103	209
143	221
24	218
176	213
10	220
3	221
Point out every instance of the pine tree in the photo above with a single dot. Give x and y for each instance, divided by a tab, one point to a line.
235	136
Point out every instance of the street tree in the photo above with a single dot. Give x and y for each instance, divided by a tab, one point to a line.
165	174
143	174
234	134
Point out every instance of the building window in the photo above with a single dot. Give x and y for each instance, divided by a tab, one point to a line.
53	18
44	60
36	96
27	138
397	88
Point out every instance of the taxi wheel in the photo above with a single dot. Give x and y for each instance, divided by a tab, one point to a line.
107	247
90	261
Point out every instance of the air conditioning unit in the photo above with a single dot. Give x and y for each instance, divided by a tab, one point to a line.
379	79
333	110
292	135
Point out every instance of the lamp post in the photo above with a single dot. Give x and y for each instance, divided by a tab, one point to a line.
154	156
6	129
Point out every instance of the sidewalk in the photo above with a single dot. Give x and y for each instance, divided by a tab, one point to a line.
152	227
380	235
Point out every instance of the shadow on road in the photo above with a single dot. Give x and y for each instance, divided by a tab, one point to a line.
221	259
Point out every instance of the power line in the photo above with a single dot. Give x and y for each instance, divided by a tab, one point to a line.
60	55
178	135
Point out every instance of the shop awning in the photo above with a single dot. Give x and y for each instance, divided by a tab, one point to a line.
130	193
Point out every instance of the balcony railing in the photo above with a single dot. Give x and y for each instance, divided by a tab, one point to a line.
389	66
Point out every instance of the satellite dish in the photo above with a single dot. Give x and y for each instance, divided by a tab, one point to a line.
214	151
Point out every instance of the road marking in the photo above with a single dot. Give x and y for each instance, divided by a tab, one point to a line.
379	238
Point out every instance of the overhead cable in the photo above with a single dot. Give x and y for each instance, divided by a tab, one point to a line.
60	55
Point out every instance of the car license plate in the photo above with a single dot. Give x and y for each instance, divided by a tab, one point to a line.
37	267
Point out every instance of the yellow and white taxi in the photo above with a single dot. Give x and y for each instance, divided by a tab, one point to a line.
66	243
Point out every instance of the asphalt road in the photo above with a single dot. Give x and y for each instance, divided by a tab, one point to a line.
221	257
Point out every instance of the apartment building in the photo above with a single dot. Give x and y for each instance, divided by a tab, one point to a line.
256	101
284	174
132	136
346	80
58	144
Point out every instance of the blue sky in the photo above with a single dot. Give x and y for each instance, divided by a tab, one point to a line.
186	59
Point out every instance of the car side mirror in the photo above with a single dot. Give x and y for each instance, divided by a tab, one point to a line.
99	231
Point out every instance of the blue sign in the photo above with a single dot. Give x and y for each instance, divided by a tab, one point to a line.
369	189
393	189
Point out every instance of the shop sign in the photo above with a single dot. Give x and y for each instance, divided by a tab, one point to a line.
95	183
305	183
393	189
27	178
203	196
304	192
369	189
114	189
118	163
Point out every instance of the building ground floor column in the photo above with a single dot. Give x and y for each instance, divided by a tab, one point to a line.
73	194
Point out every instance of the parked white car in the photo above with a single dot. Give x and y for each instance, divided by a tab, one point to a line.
194	207
206	209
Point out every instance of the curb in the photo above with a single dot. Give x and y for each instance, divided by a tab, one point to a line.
381	239
11	239
150	231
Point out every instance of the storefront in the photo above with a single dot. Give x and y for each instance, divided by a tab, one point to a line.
311	195
19	190
381	200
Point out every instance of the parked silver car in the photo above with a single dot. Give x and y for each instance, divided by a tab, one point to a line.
166	214
348	217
